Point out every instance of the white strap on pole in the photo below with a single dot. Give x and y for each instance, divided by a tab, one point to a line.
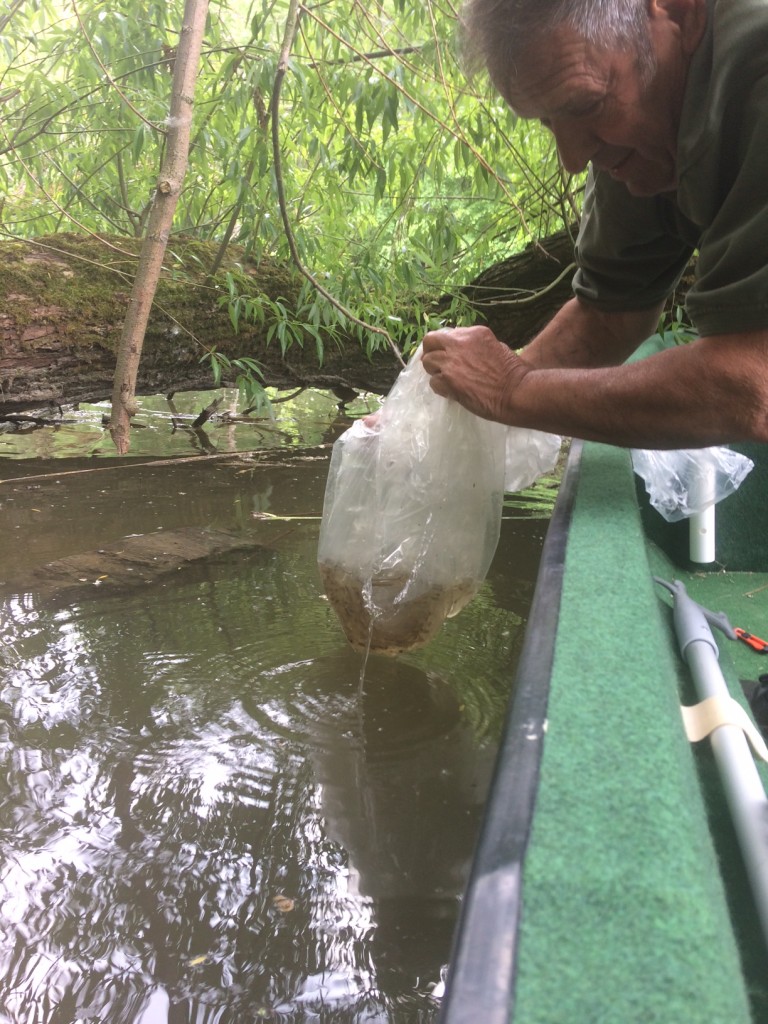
701	720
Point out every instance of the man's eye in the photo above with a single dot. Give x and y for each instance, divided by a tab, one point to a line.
587	109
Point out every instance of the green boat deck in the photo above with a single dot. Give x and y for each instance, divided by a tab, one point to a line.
634	904
608	885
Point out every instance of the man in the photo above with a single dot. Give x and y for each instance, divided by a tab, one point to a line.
666	101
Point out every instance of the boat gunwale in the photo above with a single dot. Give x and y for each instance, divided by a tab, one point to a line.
482	972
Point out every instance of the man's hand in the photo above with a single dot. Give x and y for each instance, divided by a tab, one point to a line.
471	366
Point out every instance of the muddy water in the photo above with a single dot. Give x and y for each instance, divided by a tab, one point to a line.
202	817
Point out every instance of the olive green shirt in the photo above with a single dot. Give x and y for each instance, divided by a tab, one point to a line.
631	251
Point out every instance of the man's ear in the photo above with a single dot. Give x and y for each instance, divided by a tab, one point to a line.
690	17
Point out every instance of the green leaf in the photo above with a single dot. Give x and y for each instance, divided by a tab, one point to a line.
138	142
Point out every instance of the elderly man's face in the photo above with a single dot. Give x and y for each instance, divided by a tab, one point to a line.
601	110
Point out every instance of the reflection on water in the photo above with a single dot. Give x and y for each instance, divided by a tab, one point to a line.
202	818
165	425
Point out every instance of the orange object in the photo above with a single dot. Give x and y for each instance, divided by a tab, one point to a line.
761	646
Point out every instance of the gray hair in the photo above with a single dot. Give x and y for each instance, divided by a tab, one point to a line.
496	33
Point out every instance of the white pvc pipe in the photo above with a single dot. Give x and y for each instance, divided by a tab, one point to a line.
701	536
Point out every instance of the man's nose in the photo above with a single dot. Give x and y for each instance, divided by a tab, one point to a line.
575	146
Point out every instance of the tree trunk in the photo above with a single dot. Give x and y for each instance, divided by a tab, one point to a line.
160	221
519	295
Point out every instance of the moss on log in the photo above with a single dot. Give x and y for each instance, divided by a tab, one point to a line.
62	303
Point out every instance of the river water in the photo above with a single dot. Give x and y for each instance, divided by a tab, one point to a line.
203	818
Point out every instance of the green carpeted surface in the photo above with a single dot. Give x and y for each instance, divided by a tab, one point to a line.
625	917
743	596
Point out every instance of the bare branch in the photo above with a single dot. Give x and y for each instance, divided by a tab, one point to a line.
14	8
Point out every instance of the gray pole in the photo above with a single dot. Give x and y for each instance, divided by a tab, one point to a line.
741	780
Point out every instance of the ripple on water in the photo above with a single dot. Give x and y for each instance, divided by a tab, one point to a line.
317	700
204	814
275	850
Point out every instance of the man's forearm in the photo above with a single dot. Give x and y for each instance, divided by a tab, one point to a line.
711	391
583	336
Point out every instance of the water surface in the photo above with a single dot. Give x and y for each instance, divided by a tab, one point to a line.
202	816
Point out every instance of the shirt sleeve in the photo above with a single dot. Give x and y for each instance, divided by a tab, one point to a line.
628	256
730	292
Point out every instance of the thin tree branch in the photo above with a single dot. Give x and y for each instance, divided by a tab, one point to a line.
526	300
291	27
14	9
400	51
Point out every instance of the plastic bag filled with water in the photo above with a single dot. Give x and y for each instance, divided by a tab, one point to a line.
412	512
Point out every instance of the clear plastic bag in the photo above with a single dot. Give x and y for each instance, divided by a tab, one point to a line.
686	481
529	454
412	514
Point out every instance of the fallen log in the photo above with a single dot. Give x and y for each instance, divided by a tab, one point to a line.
63	300
62	304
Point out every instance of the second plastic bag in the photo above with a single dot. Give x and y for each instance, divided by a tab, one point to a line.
412	514
686	481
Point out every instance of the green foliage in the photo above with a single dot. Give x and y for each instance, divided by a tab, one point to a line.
310	317
402	179
675	322
244	371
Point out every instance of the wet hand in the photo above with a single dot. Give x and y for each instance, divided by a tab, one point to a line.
471	366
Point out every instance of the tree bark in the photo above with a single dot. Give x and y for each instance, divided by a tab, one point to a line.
160	220
519	295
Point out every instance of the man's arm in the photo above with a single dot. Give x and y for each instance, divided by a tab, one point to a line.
711	391
582	335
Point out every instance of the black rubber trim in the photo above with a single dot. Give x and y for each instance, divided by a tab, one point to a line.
480	987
